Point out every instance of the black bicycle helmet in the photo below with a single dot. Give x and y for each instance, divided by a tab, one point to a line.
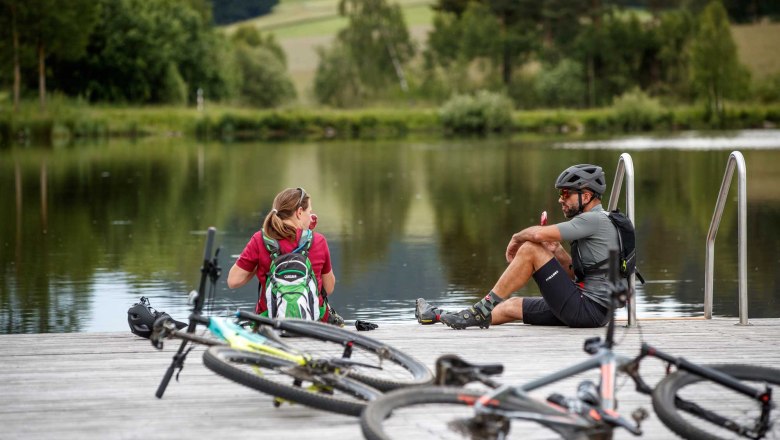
583	176
141	318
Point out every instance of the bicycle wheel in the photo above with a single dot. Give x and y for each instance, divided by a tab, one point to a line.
287	380
705	394
375	363
445	413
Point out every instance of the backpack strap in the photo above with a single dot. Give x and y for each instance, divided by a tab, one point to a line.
304	243
271	245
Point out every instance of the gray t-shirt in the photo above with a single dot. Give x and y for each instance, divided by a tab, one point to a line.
596	235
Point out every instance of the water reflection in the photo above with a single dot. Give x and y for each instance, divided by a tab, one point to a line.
88	230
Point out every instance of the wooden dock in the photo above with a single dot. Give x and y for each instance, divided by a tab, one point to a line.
101	385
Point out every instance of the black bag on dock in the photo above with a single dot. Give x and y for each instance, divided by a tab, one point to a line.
141	317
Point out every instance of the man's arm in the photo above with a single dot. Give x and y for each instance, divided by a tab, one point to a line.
549	236
535	234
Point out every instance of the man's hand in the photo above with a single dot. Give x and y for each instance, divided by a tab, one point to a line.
511	249
551	246
545	235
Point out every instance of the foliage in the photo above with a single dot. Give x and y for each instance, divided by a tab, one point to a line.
263	77
635	111
231	11
337	81
377	45
767	90
49	32
499	31
173	89
672	34
715	71
479	113
561	85
251	36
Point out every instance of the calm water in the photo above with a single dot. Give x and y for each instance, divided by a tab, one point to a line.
86	231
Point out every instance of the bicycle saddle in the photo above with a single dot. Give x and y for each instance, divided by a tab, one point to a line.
453	370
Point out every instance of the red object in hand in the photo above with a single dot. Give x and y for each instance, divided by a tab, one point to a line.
313	223
543	220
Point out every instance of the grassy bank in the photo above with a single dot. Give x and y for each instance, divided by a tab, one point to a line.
63	123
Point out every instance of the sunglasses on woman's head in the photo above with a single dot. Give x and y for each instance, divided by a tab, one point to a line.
303	194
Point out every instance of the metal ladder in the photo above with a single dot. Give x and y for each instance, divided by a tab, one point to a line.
625	169
735	160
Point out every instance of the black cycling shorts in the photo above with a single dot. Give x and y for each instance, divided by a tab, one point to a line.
562	302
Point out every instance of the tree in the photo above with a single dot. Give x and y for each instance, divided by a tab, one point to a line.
249	35
337	81
10	21
59	32
378	39
264	81
139	47
715	70
503	31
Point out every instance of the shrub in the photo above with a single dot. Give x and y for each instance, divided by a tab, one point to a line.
264	78
480	113
562	85
174	89
636	111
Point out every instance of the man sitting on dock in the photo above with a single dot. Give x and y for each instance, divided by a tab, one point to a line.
567	299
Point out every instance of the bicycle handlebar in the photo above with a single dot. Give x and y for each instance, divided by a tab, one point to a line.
208	269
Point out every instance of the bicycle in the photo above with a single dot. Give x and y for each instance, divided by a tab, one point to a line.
318	365
458	412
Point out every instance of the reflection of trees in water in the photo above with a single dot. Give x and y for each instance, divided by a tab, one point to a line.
374	192
132	208
483	193
98	203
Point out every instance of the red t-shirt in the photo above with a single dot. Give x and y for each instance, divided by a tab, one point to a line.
255	255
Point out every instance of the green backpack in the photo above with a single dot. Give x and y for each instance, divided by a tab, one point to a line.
291	289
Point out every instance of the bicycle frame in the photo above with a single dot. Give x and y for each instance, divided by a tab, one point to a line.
514	402
574	416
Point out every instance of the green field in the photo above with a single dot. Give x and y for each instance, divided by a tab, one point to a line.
758	47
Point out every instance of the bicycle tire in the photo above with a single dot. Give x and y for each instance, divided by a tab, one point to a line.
704	392
442	412
277	377
399	369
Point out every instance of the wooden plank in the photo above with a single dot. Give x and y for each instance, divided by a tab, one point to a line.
101	385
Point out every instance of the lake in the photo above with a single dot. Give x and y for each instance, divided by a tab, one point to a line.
87	230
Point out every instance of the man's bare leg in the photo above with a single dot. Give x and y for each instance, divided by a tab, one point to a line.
509	310
495	308
529	258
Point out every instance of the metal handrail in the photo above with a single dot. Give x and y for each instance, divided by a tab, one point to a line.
625	168
735	159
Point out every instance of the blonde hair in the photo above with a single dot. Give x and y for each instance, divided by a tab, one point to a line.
286	203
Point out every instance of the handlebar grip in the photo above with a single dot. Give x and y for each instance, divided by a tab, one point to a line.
164	382
242	314
210	234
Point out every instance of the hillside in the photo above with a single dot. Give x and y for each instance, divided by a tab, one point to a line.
758	47
301	26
